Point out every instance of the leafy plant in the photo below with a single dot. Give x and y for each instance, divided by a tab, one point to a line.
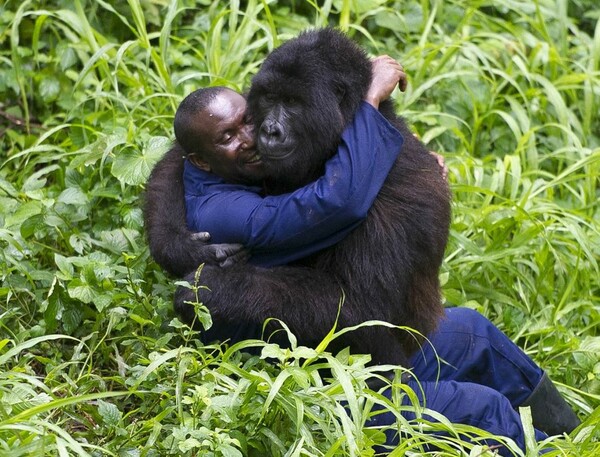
93	361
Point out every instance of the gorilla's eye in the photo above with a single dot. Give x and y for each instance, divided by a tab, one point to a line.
291	100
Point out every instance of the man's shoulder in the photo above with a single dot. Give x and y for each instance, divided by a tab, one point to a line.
202	183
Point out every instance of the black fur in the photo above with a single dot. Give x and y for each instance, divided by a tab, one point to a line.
172	245
388	267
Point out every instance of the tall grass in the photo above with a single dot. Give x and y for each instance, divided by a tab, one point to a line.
93	361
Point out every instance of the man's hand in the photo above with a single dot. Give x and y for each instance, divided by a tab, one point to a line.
442	163
386	75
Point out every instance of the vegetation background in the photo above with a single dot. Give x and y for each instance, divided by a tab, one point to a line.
92	361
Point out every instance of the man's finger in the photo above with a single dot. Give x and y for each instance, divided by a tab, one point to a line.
403	82
441	162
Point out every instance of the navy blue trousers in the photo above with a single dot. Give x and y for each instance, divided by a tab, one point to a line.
483	379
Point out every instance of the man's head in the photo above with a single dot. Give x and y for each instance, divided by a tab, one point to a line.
212	127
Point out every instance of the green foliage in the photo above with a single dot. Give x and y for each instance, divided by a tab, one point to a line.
92	361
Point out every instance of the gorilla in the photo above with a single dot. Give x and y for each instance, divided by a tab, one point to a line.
305	93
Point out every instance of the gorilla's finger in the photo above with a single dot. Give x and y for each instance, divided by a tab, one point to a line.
242	256
224	251
236	259
200	236
229	262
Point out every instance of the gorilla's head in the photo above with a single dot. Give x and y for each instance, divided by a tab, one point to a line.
305	93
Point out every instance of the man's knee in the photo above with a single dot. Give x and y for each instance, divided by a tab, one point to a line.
465	320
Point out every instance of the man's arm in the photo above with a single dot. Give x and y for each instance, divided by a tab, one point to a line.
333	204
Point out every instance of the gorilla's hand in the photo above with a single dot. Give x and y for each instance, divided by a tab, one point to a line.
224	255
227	255
200	236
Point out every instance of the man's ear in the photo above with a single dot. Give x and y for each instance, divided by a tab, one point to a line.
198	162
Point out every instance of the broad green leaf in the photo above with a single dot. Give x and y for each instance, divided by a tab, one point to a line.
64	265
23	212
229	451
73	196
133	168
38	180
71	318
49	89
81	291
109	412
189	444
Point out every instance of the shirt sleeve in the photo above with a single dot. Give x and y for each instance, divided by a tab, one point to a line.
339	199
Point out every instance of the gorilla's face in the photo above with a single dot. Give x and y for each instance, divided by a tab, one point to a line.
290	114
298	121
303	96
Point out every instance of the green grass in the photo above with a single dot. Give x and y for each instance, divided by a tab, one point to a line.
92	361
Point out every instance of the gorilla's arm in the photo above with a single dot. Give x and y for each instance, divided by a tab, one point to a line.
172	245
307	300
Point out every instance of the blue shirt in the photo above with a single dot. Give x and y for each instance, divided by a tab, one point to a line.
283	228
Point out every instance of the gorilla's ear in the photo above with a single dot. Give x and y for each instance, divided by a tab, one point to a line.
340	91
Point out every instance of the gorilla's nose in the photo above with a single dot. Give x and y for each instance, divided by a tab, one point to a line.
271	131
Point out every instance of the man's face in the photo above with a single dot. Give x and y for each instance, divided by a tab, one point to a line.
228	145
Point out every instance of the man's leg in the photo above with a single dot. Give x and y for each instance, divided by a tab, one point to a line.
475	351
469	404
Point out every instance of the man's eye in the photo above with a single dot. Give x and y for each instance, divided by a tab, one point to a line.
226	138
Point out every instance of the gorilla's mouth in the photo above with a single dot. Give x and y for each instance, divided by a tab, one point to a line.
270	156
279	148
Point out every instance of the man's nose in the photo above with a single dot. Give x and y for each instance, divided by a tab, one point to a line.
248	137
